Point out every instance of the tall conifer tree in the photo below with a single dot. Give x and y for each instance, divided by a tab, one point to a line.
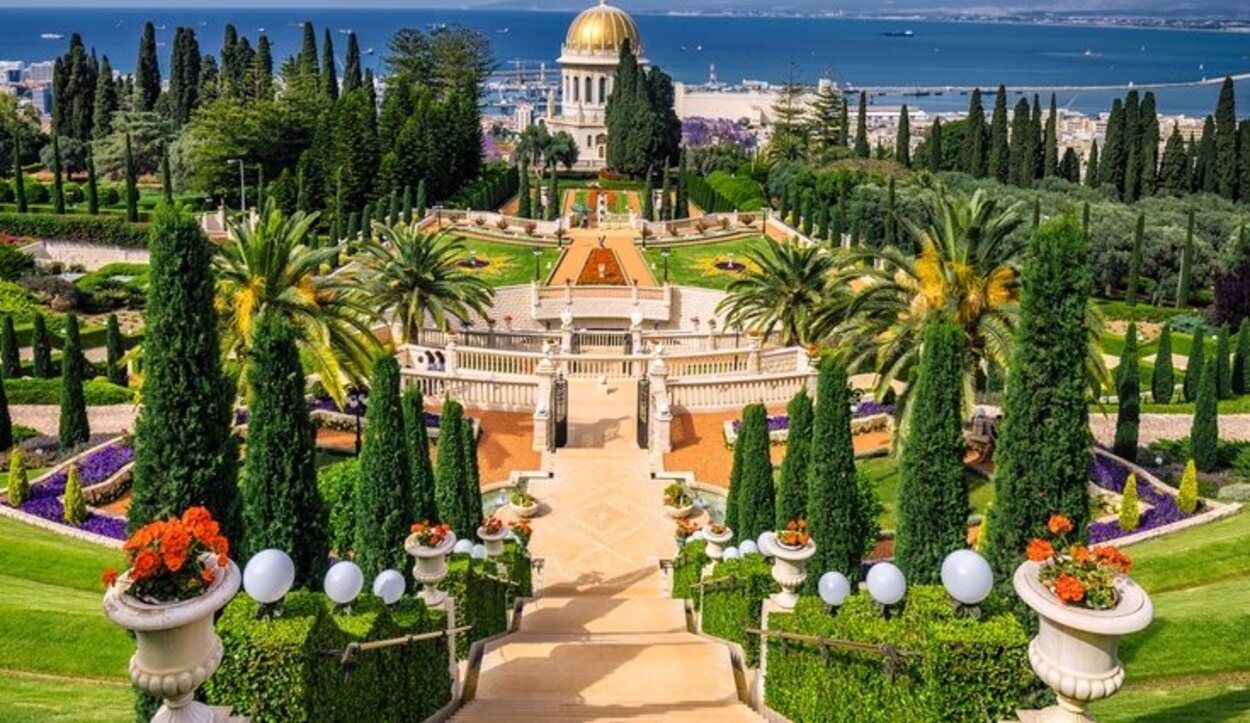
1000	148
902	143
418	441
1163	380
147	71
1128	394
862	149
976	137
74	428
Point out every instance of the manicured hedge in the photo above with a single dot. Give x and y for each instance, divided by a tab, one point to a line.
276	671
741	191
482	597
100	230
967	670
688	567
29	390
729	609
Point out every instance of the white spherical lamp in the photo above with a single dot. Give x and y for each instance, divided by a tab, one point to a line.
765	543
478	552
389	585
344	582
967	577
268	576
463	547
833	588
731	553
698	534
749	548
886	583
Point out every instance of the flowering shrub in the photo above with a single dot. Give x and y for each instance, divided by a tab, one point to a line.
686	528
676	496
492	525
795	534
168	559
1112	476
522	530
430	535
1076	574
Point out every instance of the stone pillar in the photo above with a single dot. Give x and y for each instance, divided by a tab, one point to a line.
566	330
449	358
753	358
545	371
635	328
803	361
662	413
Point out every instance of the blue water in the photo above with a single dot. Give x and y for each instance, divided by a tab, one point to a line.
854	51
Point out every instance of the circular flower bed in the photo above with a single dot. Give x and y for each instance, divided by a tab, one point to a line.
473	262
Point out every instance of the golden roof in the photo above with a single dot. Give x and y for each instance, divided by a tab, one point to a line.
602	27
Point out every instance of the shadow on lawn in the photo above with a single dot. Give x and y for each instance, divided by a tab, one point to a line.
1229	705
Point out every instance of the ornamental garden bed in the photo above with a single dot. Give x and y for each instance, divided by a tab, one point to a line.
867	417
103	471
602	268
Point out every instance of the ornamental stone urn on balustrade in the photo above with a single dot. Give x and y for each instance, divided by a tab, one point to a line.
1075	651
430	567
177	648
493	542
788	570
716	543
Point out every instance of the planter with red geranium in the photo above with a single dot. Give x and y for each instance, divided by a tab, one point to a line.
430	545
179	577
791	549
492	533
1085	603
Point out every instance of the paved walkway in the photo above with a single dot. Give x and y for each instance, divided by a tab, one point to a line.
582	241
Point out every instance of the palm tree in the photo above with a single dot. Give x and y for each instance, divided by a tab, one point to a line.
265	264
417	275
788	286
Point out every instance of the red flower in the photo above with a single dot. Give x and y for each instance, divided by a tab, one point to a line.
1059	525
109	578
1040	550
145	565
1069	589
207	575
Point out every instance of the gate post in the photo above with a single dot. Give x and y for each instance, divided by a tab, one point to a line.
566	330
662	417
544	371
635	329
449	358
753	358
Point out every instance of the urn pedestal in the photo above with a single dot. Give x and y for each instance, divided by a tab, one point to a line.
430	567
177	648
1075	651
788	571
716	543
492	542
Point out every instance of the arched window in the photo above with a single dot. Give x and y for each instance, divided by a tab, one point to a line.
576	90
603	89
589	90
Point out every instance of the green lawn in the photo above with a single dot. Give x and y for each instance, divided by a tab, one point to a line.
52	624
884	471
509	264
618	202
1193	662
695	265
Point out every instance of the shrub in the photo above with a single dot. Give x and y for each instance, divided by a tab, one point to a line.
1205	432
481	599
18	483
14	264
1236	492
729	608
688	568
1130	514
967	669
276	670
75	505
95	230
1187	495
96	392
1163	381
337	484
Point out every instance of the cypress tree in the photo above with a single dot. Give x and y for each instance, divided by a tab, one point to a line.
1092	171
6	429
1206	176
167	179
1163	381
1223	365
1204	435
132	184
353	226
10	361
682	209
307	61
666	197
58	181
105	103
1128	391
902	144
932	494
93	190
366	222
282	507
407	204
806	225
392	211
329	75
74	512
352	78
835	509
450	472
1050	145
1132	147
1187	262
1043	453
935	150
844	123
1021	150
41	348
470	483
418	439
1149	144
147	72
115	369
384	500
1070	166
783	203
422	204
862	149
756	499
648	200
553	210
74	429
1195	365
523	196
1000	149
1241	360
1035	140
1134	264
1130	513
1114	158
974	156
733	500
1225	168
1174	170
891	221
184	452
19	176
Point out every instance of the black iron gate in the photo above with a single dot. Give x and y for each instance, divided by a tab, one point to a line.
558	419
644	413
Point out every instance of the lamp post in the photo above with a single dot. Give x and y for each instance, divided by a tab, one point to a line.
538	254
357	402
242	186
665	253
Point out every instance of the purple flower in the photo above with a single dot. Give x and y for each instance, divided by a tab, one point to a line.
1111	475
710	131
92	469
50	508
323	403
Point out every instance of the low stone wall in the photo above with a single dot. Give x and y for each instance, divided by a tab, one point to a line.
89	256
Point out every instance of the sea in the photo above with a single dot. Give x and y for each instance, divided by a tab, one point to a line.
861	52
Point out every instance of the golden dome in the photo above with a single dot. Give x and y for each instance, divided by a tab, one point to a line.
602	27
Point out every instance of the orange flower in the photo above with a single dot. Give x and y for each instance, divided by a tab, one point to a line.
222	560
207	575
174	542
1080	553
1040	550
1069	589
1112	557
109	578
1059	525
146	564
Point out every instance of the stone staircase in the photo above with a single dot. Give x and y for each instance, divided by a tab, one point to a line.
599	658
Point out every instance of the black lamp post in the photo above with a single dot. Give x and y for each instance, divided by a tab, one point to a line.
357	402
665	253
538	254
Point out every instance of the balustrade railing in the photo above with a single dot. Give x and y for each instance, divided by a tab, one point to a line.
696	394
504	394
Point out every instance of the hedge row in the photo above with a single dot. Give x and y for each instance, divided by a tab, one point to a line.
29	390
277	671
99	230
728	609
965	670
481	599
688	567
701	194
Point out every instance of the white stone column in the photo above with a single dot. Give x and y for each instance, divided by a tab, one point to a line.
635	329
545	371
662	413
566	330
753	358
449	358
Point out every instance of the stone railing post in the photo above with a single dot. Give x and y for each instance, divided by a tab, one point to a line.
566	330
662	413
545	371
753	358
449	358
803	359
635	328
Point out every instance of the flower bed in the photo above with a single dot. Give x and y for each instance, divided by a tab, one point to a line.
326	414
94	468
601	269
868	417
1108	473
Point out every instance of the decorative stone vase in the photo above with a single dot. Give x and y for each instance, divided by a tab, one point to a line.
177	648
430	567
526	511
788	564
493	543
716	543
679	513
1075	651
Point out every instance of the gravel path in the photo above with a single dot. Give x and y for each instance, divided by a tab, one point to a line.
1169	426
108	419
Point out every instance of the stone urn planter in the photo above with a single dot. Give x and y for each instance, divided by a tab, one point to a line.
523	510
716	543
788	570
493	541
679	513
430	567
1075	651
177	648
